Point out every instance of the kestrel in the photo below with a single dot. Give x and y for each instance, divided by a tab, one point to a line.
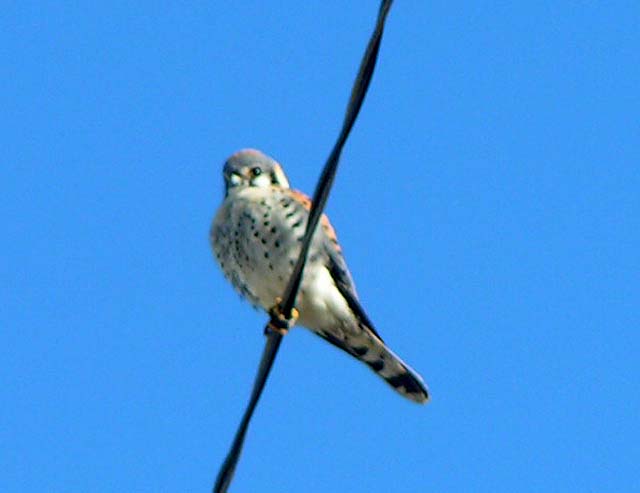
256	237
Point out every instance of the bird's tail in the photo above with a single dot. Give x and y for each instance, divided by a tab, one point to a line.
366	346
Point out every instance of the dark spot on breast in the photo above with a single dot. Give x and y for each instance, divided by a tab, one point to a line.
270	266
297	224
290	214
273	229
360	350
256	234
276	243
263	241
266	223
266	254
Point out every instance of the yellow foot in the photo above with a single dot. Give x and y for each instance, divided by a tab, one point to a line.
279	323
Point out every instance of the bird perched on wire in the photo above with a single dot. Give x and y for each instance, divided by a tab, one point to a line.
256	237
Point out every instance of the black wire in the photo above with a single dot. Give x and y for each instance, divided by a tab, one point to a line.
320	196
321	193
266	362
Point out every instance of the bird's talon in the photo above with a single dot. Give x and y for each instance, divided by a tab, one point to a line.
279	323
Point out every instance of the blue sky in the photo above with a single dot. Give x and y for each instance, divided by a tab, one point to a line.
488	204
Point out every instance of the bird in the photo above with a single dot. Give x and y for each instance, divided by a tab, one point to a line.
256	236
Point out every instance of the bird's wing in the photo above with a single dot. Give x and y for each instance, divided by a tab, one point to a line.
365	344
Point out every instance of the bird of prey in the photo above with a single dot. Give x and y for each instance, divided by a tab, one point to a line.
256	237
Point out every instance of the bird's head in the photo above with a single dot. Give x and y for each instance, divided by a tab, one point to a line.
251	168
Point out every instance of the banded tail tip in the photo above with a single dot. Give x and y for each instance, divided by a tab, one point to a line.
410	386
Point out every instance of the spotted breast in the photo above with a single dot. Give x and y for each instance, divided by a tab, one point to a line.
256	237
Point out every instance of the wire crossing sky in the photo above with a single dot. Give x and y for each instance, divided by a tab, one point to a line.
282	313
487	204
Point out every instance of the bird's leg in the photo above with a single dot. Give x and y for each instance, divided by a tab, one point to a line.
278	322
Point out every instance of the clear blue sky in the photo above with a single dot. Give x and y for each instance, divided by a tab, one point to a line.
488	203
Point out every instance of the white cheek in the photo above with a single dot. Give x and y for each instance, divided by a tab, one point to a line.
262	180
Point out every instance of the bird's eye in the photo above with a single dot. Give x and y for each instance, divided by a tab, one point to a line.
256	171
